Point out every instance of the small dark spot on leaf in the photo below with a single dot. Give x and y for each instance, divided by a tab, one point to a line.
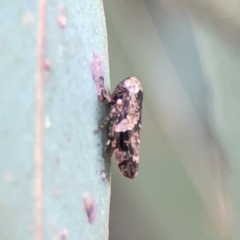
62	20
8	176
90	207
57	192
63	234
57	160
103	175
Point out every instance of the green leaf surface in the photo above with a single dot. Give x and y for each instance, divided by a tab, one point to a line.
49	156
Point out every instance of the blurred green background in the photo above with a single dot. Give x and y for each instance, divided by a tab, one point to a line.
186	54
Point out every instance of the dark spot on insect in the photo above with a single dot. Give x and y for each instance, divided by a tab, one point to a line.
69	140
129	168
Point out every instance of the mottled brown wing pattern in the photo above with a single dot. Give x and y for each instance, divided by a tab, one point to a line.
125	125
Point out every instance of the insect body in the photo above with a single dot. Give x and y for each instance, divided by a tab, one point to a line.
124	124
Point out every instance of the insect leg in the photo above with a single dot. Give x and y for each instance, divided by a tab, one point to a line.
105	121
104	94
108	147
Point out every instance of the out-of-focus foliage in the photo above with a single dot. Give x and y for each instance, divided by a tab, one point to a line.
186	53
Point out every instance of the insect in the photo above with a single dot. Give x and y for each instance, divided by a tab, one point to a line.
124	121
